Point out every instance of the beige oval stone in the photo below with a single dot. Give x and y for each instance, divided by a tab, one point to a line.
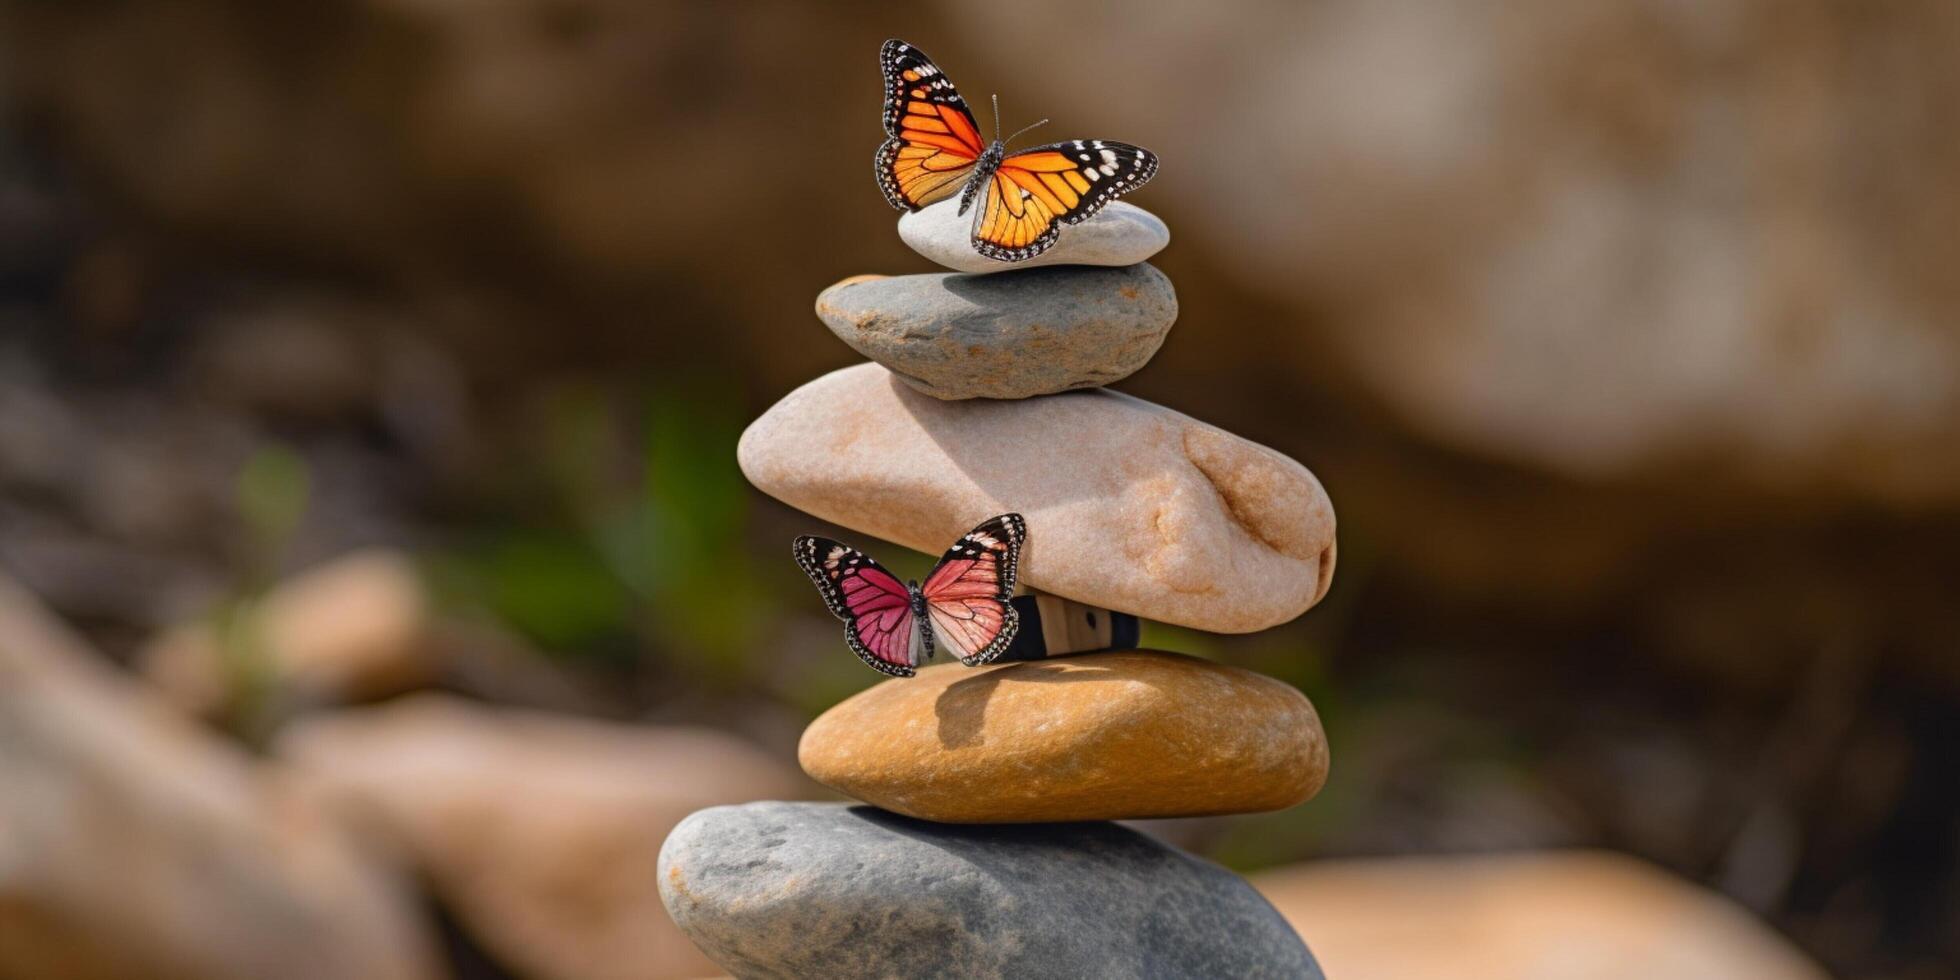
1130	506
1103	736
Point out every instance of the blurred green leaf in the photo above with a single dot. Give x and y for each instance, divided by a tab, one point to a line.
686	544
245	660
272	492
555	589
641	535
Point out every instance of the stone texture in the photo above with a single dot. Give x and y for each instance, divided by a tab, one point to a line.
540	832
827	890
1569	916
1120	234
134	844
1007	336
1104	736
1130	506
356	627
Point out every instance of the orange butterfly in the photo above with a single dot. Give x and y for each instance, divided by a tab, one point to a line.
935	149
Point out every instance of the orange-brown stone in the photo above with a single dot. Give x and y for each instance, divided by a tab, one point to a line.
1104	736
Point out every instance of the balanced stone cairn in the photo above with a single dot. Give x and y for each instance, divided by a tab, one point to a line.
987	848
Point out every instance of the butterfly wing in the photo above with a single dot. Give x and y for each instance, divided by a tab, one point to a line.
875	606
968	593
1035	192
934	141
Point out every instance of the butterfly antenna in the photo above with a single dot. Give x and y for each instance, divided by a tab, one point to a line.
1024	129
996	115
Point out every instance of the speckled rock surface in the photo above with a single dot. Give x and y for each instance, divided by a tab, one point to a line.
1026	333
797	890
1130	506
1105	736
1120	234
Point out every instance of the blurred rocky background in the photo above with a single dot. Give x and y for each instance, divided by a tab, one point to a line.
370	373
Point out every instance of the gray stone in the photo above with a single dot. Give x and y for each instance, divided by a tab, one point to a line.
832	890
1120	234
1013	336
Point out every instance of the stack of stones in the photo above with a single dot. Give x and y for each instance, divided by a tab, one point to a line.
987	848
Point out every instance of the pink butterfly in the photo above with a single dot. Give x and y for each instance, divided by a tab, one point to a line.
894	626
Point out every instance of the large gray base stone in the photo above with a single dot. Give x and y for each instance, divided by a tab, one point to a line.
798	890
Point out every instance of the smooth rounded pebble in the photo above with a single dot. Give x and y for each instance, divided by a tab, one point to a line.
797	890
1119	234
1019	335
1103	736
1130	506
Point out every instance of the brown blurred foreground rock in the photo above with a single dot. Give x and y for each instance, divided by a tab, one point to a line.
1556	916
1103	736
541	833
1130	506
355	627
134	845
